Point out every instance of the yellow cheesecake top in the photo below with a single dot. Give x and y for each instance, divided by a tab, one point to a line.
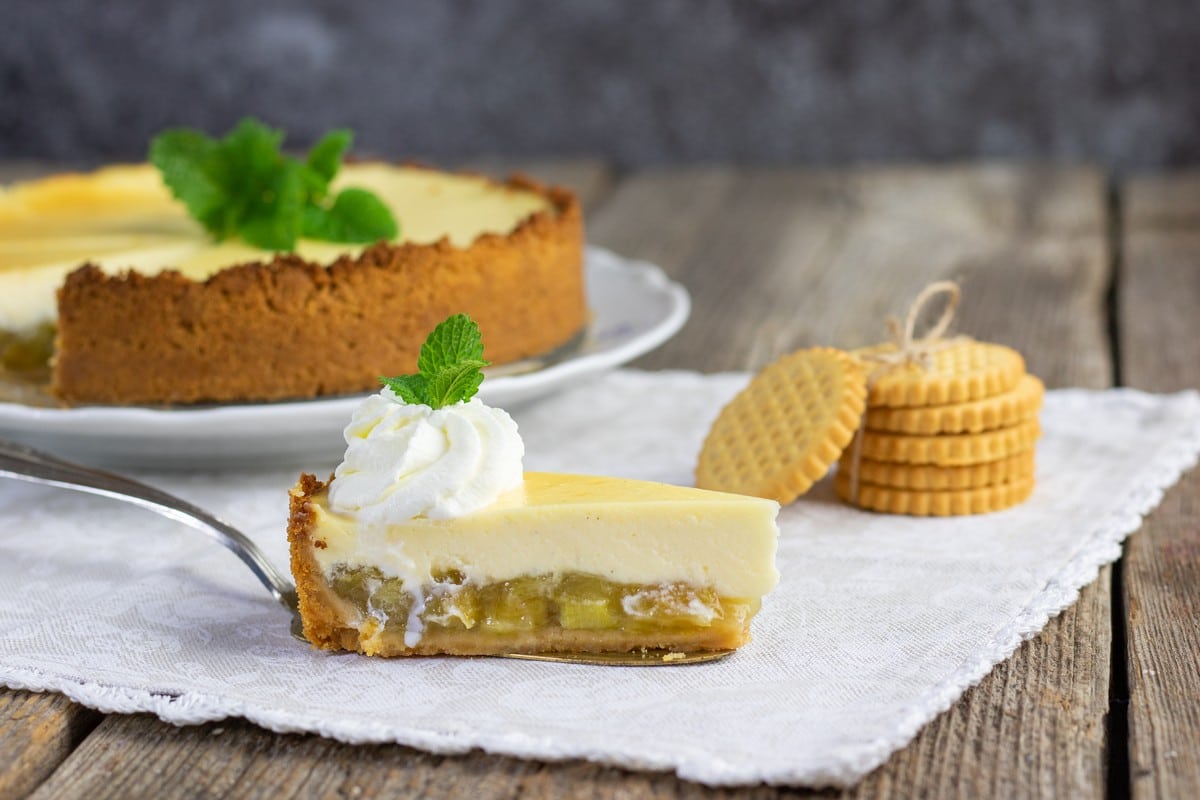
623	530
123	217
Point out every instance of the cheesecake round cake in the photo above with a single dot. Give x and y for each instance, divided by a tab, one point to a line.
107	282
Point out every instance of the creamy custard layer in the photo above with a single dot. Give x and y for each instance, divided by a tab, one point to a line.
123	218
626	532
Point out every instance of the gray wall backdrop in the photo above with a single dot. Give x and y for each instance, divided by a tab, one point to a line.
1112	81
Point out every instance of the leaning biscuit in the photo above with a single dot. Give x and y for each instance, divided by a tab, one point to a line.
961	371
930	477
987	414
787	427
935	503
950	450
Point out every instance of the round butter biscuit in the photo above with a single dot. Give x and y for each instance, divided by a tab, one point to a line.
988	414
935	504
960	372
951	450
787	427
930	477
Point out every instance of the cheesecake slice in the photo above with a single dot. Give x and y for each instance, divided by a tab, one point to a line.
561	563
431	538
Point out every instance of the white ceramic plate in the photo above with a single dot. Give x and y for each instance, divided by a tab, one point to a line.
634	308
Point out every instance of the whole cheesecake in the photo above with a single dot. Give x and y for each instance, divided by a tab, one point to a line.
105	278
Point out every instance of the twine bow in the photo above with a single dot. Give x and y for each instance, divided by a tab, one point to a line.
909	349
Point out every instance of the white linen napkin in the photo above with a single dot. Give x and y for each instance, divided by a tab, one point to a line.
879	622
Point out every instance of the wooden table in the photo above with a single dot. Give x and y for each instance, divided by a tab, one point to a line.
1096	281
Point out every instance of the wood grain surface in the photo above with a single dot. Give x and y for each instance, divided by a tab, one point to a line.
779	259
1159	326
39	731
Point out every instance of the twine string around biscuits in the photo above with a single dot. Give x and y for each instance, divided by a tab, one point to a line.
909	349
913	349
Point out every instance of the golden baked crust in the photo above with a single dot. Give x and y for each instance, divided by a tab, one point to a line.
290	328
320	609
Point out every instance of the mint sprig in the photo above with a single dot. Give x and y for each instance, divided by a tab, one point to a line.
242	186
449	367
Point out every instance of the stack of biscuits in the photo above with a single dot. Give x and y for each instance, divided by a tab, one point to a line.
922	425
953	436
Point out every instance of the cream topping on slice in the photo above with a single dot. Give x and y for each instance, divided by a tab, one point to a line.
122	217
409	460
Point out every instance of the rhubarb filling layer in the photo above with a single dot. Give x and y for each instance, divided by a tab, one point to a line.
578	611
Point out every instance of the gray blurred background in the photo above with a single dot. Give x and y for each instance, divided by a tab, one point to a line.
762	81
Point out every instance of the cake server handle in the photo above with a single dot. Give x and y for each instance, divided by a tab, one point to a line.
27	464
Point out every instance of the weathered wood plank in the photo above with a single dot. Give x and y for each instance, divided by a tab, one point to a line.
777	260
783	259
39	731
1161	203
135	756
1159	329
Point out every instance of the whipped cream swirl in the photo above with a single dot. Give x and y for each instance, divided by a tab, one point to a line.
404	460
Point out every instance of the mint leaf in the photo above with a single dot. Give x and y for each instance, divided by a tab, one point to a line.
243	185
190	166
409	388
455	384
456	339
355	216
325	159
271	219
449	368
253	147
